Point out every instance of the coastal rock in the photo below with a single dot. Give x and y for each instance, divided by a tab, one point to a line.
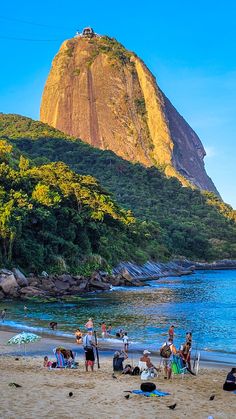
33	281
61	285
32	292
22	281
8	284
2	295
99	285
125	273
82	286
48	284
5	272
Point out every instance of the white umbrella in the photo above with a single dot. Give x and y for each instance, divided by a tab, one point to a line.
23	338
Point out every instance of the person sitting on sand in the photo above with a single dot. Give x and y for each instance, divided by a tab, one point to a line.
145	361
230	382
88	345
79	336
46	362
89	325
118	359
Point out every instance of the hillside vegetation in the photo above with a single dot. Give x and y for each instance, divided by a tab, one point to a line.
168	220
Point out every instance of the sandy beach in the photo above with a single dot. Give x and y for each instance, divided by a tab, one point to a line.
45	393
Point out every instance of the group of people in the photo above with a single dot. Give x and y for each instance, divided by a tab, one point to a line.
168	351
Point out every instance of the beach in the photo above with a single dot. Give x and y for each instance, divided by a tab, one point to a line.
45	393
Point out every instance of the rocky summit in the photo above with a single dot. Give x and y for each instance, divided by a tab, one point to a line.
105	95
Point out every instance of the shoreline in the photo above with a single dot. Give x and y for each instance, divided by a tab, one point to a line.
49	341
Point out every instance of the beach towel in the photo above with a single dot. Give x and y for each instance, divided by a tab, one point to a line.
60	360
177	365
154	393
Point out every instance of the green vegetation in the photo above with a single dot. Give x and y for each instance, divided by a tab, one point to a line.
112	48
141	106
52	223
52	218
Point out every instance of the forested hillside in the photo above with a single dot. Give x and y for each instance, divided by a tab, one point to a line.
173	220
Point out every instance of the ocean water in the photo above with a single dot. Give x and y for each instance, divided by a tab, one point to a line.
203	303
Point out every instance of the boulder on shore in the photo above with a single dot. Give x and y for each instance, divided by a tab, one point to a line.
22	281
32	292
8	284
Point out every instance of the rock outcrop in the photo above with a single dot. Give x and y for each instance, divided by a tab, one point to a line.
105	95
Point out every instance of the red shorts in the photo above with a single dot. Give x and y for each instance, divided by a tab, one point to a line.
89	363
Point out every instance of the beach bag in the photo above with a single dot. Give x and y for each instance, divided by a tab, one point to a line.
149	387
147	374
136	371
165	351
118	364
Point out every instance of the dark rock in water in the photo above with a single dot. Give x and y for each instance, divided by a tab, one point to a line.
22	281
2	295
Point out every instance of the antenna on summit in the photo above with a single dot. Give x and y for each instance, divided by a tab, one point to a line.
87	32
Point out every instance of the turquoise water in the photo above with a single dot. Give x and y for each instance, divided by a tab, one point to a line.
204	303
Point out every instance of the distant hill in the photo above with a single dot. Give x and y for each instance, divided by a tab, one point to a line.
105	95
172	220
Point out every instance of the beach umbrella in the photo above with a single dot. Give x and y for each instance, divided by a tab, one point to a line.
23	339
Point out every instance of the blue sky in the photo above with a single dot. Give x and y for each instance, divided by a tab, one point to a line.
189	46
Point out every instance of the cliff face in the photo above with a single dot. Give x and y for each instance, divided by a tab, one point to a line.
105	95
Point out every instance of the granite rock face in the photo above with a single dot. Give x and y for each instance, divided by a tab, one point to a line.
105	95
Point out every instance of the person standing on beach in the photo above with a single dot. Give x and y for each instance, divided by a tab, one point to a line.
89	325
185	350
89	345
189	338
171	332
79	336
166	352
25	310
126	342
104	329
3	314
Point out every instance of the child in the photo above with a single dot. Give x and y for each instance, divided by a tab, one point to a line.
126	342
46	362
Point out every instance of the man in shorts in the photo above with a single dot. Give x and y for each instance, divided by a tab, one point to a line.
88	345
167	351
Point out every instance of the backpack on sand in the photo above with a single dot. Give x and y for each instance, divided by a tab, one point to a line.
165	351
